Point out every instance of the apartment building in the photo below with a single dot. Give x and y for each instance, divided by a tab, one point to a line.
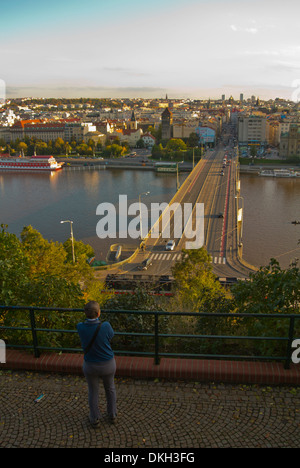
273	132
37	129
76	130
70	130
184	129
252	130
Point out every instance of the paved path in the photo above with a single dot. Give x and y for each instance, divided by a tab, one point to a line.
151	414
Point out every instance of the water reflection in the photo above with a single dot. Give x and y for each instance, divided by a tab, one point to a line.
44	199
270	207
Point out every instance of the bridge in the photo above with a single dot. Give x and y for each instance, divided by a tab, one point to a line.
216	187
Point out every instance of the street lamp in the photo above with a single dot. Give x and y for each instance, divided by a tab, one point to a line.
72	237
237	197
141	224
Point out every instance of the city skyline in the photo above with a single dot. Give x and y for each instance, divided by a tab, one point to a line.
196	49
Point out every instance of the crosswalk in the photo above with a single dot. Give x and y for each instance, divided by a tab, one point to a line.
177	256
219	260
174	256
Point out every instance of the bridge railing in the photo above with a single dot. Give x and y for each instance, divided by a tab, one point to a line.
28	333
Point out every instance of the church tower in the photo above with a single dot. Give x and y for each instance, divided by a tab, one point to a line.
133	122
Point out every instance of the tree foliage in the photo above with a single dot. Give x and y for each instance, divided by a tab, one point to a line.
196	286
270	290
35	271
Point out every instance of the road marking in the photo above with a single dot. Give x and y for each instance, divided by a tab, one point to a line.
219	260
165	256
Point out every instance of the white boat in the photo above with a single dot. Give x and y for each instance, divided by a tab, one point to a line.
267	173
284	173
35	163
278	173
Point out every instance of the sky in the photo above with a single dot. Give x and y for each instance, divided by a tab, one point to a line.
115	48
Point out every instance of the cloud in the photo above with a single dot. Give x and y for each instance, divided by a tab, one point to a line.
239	29
280	65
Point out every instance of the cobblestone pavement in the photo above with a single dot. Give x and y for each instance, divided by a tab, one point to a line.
151	414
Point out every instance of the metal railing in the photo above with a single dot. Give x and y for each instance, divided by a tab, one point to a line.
155	335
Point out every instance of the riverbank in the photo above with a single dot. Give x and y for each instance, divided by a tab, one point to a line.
140	164
256	169
119	163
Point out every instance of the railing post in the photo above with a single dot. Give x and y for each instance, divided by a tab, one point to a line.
156	357
289	345
34	335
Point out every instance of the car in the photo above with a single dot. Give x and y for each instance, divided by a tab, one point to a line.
222	173
145	264
221	215
170	245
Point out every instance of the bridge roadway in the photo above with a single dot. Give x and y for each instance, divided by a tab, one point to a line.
219	194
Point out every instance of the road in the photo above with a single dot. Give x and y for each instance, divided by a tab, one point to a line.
219	194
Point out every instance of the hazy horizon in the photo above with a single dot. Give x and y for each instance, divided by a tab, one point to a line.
194	49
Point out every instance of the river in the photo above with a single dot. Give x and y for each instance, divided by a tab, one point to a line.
42	200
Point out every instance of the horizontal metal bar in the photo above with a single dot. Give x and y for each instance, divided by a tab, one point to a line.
155	335
162	313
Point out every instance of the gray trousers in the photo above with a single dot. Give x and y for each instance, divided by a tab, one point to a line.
105	370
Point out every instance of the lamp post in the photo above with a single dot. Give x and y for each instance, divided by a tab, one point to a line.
141	224
177	177
72	237
237	197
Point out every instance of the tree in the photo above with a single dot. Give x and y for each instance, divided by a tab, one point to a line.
68	148
253	152
140	143
80	249
196	286
115	150
22	147
270	290
176	144
193	140
14	269
36	272
198	290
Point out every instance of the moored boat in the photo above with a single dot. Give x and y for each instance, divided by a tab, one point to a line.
266	173
34	163
278	173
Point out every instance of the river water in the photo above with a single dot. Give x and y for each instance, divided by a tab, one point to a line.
42	200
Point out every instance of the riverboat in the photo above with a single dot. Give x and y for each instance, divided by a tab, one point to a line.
34	163
266	173
279	173
284	173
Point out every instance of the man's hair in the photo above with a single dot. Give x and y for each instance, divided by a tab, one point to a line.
92	309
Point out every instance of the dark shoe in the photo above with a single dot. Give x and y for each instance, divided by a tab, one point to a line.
95	423
112	419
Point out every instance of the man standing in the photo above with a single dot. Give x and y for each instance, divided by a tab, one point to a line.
99	361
